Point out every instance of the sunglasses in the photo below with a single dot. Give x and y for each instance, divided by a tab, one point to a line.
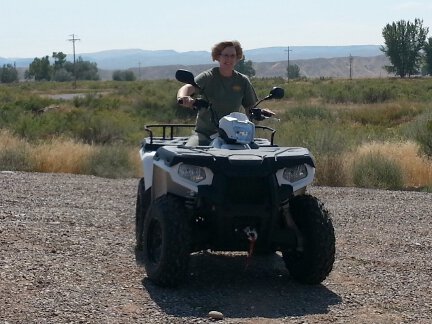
227	56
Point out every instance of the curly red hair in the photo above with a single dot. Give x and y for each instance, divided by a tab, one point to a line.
219	47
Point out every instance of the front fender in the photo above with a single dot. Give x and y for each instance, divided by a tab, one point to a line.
147	167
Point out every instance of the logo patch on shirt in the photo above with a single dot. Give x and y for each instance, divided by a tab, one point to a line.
236	88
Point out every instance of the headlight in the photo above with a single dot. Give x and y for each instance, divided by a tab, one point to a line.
191	172
295	173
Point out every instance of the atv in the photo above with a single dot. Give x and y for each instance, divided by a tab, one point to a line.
240	193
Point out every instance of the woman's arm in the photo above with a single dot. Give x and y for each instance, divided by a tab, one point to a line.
184	95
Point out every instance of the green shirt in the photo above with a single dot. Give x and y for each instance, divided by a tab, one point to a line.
226	94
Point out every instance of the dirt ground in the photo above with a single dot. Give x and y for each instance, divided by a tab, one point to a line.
67	256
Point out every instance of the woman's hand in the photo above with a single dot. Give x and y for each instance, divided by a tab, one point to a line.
267	112
184	96
260	113
186	101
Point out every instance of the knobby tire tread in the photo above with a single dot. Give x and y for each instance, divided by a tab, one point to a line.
172	267
316	262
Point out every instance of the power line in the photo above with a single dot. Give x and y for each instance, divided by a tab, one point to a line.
73	40
350	66
288	50
139	70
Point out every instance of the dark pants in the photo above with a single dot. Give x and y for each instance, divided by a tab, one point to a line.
198	139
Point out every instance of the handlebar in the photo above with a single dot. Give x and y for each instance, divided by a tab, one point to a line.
256	113
260	114
197	104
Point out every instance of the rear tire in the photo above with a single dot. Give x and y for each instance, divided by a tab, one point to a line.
166	241
315	262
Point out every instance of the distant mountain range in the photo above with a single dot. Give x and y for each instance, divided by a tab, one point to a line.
314	61
339	67
129	58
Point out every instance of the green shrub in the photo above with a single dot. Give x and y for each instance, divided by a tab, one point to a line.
33	103
100	126
110	162
308	113
27	127
387	115
357	91
421	131
374	170
373	95
95	100
424	137
320	137
15	159
427	189
115	112
123	75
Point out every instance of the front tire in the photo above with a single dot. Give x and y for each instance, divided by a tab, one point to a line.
166	241
313	263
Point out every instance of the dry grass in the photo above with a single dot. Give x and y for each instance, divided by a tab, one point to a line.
8	141
69	156
58	155
417	169
134	157
61	156
14	153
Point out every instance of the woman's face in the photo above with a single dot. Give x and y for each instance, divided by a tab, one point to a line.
228	58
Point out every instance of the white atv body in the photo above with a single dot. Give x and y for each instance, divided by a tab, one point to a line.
240	193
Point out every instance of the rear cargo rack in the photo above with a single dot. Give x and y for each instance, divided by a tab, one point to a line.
152	143
165	135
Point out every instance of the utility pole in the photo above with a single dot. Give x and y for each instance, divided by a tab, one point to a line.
73	40
350	63
139	70
288	65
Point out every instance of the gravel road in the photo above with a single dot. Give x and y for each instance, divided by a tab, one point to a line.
67	256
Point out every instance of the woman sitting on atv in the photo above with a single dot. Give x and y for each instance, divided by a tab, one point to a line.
227	90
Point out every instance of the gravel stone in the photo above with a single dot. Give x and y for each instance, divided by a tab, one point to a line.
67	256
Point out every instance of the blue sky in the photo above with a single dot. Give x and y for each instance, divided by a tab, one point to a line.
34	28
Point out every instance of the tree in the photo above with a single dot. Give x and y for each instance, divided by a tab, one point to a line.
85	70
428	56
293	71
126	75
8	73
62	75
39	69
404	41
59	71
59	60
245	67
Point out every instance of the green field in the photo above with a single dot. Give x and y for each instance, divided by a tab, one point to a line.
368	133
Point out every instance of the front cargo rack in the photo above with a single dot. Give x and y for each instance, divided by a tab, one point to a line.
166	136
